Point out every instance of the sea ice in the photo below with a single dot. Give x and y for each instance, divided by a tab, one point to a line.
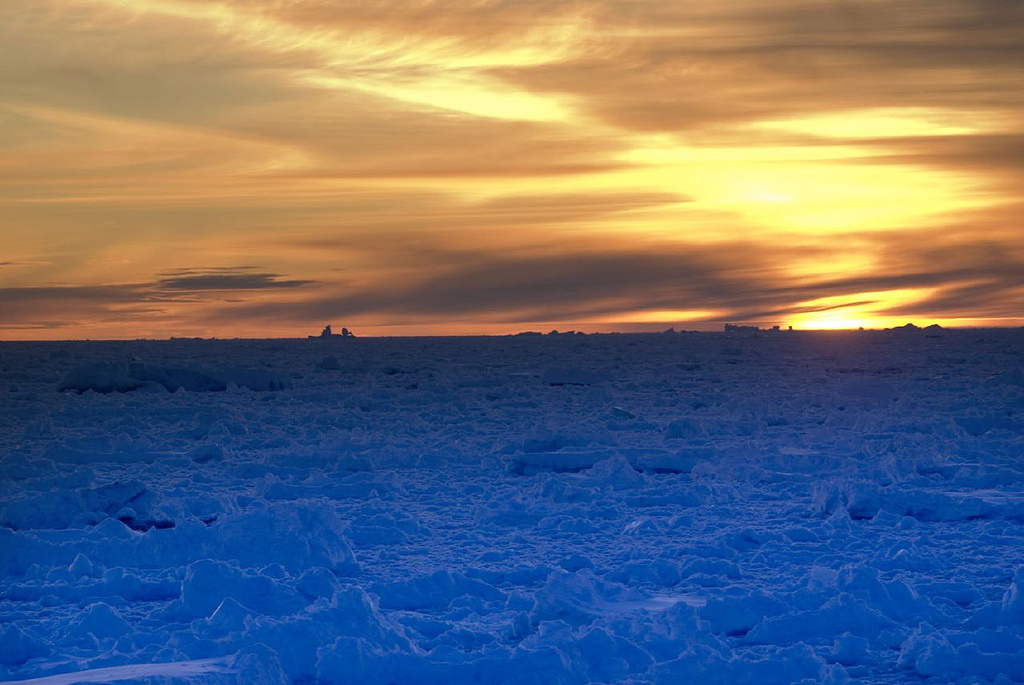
712	508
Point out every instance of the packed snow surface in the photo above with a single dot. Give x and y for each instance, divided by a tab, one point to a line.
720	508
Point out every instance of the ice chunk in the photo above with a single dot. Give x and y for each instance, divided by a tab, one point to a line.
561	375
435	591
259	380
103	377
108	377
842	614
615	472
563	461
99	621
208	583
206	453
18	646
295	536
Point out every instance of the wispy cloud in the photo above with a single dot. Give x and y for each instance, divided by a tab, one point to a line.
224	278
168	299
736	281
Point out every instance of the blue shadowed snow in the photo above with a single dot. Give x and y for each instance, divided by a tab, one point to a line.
707	508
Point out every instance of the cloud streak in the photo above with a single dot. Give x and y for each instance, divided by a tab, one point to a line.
168	299
722	282
229	278
737	281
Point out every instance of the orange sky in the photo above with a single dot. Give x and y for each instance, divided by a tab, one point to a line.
263	167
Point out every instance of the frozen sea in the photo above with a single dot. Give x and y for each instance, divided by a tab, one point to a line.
770	507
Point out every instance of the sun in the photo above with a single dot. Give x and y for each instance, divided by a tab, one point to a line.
860	310
837	322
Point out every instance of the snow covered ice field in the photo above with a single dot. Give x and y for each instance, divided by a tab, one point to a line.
664	508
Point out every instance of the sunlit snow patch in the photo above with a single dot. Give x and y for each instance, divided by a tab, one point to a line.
175	670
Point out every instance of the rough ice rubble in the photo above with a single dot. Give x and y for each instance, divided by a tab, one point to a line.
772	509
123	376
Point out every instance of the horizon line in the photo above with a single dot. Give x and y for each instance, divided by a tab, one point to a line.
739	330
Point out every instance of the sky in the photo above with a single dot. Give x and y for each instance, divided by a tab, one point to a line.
260	168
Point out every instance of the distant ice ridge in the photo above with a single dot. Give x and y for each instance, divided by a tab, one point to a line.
107	377
327	333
